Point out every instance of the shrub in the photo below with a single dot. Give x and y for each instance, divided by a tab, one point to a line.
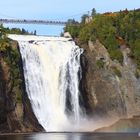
100	64
117	71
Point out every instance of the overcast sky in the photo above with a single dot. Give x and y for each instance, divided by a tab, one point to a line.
58	10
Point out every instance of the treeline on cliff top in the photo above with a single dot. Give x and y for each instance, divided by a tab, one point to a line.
111	29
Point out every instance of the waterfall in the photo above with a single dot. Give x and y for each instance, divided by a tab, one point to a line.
52	73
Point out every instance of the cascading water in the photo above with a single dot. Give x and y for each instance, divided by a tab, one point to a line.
52	73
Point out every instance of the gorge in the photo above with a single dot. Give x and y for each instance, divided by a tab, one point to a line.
65	87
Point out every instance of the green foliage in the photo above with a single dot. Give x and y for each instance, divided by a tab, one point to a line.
106	27
4	31
100	64
9	53
19	95
93	12
73	28
84	34
136	51
117	71
137	73
83	18
116	54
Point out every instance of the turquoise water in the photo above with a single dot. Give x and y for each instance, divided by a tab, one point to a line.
72	136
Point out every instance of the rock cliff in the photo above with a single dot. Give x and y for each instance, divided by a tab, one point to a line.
16	114
112	89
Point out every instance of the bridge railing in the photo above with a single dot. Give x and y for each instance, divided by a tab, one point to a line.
24	21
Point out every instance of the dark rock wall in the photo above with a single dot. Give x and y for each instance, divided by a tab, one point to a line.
16	114
8	105
3	119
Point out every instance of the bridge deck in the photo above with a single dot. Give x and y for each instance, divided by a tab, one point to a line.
24	21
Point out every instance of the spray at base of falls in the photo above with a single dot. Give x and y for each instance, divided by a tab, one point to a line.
52	73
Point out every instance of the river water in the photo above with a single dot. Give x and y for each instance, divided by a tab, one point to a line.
72	136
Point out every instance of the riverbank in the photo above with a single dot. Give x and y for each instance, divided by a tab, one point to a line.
129	125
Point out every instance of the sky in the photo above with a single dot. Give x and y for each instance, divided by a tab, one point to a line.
57	10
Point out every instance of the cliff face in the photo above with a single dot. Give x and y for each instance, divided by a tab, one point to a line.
112	89
16	114
9	119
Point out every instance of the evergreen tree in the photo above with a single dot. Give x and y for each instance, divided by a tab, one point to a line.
93	13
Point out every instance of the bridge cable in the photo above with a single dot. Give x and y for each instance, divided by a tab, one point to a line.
3	15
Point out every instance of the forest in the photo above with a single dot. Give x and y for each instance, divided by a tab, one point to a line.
113	30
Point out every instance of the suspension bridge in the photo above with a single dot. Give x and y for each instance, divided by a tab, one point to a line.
25	21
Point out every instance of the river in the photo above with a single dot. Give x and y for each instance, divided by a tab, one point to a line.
72	136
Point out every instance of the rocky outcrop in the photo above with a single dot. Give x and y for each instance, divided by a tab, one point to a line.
3	120
112	89
15	108
123	125
9	118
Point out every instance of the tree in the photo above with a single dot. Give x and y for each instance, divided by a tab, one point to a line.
93	13
71	22
125	24
34	32
23	31
83	18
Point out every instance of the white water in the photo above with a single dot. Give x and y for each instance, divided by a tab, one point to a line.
52	72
